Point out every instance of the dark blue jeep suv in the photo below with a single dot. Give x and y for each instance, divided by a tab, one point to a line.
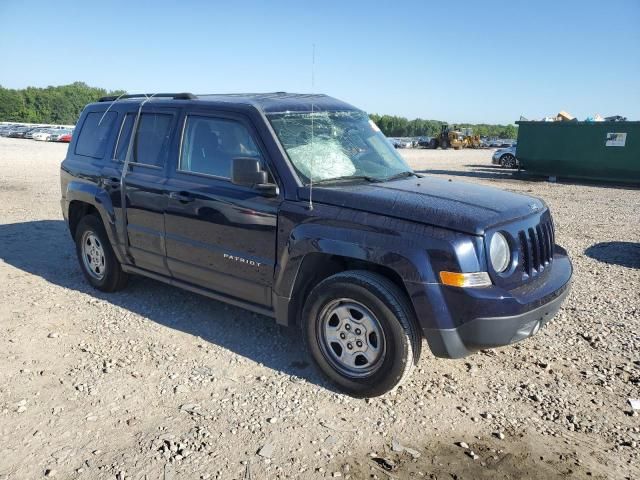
297	207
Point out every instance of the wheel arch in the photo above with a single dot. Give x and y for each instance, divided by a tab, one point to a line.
83	199
316	267
77	210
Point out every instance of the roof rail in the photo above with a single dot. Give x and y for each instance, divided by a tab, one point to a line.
174	96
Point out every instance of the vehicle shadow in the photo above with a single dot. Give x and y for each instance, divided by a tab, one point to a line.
486	172
626	254
530	177
44	248
491	167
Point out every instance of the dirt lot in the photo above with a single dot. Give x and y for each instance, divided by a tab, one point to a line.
154	382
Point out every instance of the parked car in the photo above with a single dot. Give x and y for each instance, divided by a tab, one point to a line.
65	137
505	157
33	131
11	128
18	132
232	197
424	142
395	142
405	142
57	133
44	135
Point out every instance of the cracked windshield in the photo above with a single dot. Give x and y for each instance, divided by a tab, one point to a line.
334	146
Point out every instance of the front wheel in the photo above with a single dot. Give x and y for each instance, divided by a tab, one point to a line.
360	330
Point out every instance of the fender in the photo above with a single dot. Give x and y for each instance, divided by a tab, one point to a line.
415	253
98	198
306	239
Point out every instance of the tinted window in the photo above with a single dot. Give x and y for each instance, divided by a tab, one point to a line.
94	134
209	144
152	138
124	137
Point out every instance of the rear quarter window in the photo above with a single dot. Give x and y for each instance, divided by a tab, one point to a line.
94	134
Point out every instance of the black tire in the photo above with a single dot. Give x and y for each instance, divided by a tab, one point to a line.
444	145
112	277
390	307
508	161
433	143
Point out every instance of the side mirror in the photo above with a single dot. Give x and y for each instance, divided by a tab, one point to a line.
247	172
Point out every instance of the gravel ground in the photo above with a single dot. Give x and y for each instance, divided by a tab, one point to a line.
154	382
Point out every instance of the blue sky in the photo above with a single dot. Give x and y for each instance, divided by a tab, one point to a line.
488	61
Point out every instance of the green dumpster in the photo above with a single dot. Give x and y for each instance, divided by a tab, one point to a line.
606	151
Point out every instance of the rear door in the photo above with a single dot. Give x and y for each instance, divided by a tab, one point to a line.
219	235
145	197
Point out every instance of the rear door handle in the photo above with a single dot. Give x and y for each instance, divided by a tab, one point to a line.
182	197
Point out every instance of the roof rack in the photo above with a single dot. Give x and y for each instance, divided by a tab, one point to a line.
174	96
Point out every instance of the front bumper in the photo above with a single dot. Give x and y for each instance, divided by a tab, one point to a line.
490	332
459	321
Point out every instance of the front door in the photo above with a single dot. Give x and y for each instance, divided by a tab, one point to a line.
219	235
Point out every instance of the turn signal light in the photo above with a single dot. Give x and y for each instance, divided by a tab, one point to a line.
456	279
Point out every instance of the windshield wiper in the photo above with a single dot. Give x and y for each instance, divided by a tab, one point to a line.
399	175
346	178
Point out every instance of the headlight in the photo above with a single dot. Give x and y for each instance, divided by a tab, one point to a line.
499	252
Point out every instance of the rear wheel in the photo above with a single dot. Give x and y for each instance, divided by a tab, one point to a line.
444	145
360	330
97	260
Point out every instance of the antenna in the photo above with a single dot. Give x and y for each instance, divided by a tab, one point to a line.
109	108
313	150
125	169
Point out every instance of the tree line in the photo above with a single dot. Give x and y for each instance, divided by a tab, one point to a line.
394	126
63	104
55	105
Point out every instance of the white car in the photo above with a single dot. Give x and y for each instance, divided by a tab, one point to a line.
43	135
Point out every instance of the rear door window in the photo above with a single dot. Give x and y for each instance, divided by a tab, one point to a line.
151	141
94	134
124	137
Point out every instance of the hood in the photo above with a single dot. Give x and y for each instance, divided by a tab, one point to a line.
460	206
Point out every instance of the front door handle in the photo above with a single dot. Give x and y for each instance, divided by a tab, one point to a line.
182	197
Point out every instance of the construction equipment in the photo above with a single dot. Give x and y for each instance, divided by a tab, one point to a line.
469	140
455	138
447	138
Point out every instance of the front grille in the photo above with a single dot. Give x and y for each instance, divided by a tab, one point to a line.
536	247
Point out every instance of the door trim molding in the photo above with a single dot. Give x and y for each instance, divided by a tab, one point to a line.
201	291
